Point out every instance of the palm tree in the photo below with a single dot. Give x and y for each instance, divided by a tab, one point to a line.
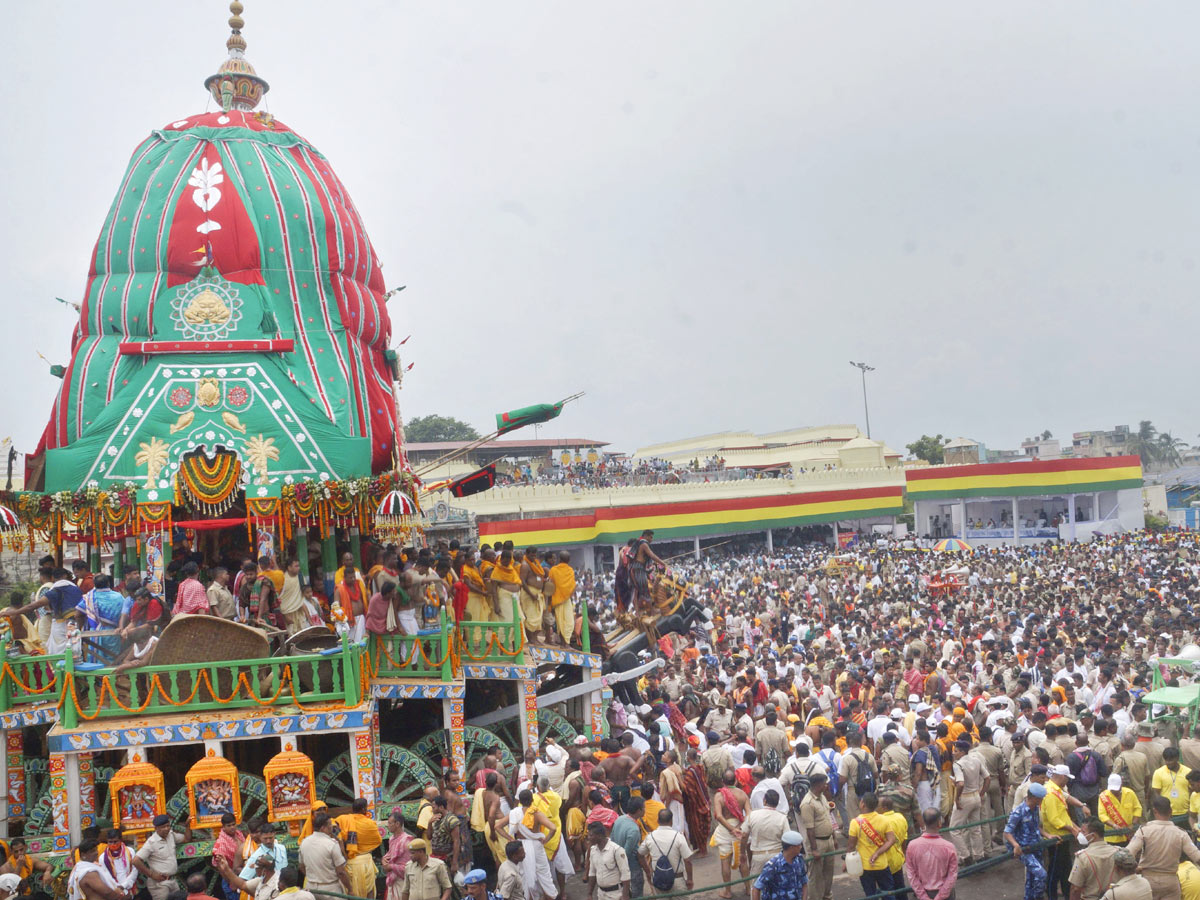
1046	435
1145	442
1169	447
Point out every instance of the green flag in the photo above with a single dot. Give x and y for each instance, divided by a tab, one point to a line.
527	415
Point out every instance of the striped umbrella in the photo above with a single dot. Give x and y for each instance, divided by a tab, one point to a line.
952	545
393	518
8	519
396	503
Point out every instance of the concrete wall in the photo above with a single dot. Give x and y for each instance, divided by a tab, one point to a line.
1154	499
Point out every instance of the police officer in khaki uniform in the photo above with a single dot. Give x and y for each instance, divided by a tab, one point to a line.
1093	866
1127	883
970	783
1158	846
816	819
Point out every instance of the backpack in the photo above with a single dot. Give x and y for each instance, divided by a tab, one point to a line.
799	788
834	781
1089	772
771	763
864	778
663	876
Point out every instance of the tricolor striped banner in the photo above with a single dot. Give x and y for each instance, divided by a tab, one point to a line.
615	525
1037	477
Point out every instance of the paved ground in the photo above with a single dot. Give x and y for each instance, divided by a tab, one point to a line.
1003	882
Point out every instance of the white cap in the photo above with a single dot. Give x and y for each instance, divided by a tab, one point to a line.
10	882
645	709
914	698
1114	782
897	713
1060	770
998	701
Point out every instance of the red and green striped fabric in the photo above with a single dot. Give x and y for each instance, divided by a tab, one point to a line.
1036	477
242	200
615	525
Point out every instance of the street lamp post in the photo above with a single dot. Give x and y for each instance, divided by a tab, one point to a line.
864	368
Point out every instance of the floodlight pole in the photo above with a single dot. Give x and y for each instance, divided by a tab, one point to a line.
864	368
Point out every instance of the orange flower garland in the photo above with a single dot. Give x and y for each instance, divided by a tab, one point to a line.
210	485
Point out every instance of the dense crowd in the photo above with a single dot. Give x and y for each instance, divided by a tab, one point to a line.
833	699
615	471
828	711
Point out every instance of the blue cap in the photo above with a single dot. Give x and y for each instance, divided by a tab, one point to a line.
791	839
475	876
1037	790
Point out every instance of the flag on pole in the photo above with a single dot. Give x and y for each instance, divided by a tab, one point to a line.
478	481
527	415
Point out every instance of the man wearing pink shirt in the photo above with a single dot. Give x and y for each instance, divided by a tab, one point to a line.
931	862
191	597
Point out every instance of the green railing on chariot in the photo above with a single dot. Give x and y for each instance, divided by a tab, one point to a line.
330	678
29	679
427	654
493	643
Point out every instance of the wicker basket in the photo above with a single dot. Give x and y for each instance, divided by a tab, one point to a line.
191	639
313	640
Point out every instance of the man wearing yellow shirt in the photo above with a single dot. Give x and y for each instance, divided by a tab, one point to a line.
1189	880
1056	822
875	836
1120	810
899	825
1170	780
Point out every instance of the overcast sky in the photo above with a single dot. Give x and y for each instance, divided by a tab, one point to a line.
696	212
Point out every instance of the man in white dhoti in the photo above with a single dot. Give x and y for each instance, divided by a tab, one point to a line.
670	787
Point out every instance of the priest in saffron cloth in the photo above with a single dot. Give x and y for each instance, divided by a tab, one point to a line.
560	586
533	601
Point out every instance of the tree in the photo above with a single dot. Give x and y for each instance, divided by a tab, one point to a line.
424	429
930	449
1169	447
1145	444
1046	435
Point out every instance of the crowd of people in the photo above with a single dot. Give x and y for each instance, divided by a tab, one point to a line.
108	617
1008	712
826	713
837	717
621	471
823	718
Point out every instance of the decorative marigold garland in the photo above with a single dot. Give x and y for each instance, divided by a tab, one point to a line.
210	485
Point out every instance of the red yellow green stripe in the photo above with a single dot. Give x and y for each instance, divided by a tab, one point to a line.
615	525
1038	477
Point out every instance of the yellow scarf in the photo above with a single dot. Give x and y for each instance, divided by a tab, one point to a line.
550	804
485	566
473	579
535	567
507	574
563	577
